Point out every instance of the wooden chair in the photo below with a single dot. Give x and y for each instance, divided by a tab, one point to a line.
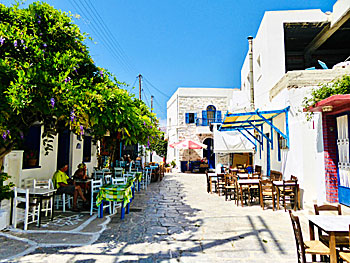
341	241
346	255
267	192
312	247
220	184
257	169
289	193
230	187
213	182
275	175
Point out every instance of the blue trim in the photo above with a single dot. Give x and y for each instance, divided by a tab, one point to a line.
272	126
278	148
268	159
271	136
261	132
287	125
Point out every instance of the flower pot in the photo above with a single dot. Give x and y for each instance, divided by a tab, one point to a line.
32	162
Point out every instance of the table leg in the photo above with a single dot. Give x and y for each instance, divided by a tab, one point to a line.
100	210
333	257
122	213
241	194
210	183
40	206
52	206
312	237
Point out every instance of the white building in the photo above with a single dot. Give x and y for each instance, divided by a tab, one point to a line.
190	111
287	43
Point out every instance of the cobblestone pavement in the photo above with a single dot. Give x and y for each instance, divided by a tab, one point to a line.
176	220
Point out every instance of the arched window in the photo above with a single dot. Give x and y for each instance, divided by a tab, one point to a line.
210	115
211	110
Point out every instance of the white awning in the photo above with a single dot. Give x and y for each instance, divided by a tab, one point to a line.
231	142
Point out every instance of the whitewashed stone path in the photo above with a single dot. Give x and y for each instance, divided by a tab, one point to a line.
176	220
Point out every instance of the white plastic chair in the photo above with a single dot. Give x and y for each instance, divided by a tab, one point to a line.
99	174
95	188
44	184
118	172
31	210
130	165
117	181
63	200
107	178
144	181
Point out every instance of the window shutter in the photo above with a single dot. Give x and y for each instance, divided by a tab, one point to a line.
195	118
187	119
204	118
218	116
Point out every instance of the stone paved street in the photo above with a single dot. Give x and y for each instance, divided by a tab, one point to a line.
176	220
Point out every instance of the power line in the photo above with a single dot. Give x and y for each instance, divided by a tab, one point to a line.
100	34
111	36
161	92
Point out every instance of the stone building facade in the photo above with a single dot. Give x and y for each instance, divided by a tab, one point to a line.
190	111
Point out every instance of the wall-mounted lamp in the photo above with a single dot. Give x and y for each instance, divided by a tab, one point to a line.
327	108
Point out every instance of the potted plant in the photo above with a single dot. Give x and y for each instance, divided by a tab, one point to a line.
5	193
31	157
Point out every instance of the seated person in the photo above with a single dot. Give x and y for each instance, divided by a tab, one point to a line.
65	185
82	175
81	172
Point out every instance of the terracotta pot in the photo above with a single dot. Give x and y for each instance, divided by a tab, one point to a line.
32	162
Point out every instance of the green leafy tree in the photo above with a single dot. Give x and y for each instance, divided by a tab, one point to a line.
160	146
337	87
47	76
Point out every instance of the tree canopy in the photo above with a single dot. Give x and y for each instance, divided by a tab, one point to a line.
47	76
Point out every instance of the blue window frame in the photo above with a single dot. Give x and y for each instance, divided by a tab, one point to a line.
278	148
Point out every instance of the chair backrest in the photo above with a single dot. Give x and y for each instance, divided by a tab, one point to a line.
229	179
43	184
98	174
28	182
95	185
327	208
107	178
119	180
257	169
21	195
299	241
118	171
106	170
275	175
289	185
292	177
254	176
266	186
122	164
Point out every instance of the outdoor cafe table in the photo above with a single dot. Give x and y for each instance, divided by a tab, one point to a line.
333	225
115	193
40	194
242	182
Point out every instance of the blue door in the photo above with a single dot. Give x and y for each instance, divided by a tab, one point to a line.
343	159
209	152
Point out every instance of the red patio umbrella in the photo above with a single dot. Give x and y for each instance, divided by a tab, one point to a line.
188	144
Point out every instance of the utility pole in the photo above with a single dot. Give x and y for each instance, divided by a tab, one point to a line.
140	77
152	103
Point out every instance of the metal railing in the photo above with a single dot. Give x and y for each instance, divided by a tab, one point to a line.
206	122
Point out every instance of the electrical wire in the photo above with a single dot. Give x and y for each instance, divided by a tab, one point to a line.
111	36
161	92
101	35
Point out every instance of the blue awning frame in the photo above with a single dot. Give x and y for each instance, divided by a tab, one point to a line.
257	125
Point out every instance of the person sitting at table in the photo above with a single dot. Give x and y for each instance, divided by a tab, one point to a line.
65	185
80	174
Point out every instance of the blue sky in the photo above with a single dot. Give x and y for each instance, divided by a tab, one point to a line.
173	43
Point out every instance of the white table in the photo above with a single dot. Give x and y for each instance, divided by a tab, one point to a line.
333	225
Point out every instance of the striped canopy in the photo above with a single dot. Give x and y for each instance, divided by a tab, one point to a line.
188	144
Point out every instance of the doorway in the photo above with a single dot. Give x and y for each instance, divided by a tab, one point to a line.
343	159
209	152
63	149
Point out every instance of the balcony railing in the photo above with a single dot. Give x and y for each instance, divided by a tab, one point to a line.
206	122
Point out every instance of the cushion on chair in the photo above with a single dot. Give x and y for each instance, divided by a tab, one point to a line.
316	247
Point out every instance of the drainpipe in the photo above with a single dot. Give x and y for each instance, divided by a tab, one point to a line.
251	79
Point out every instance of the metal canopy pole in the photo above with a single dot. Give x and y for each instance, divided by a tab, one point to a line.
247	138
